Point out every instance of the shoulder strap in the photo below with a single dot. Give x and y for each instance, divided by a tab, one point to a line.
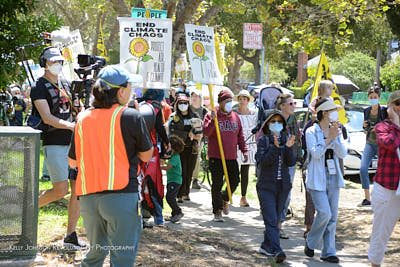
63	92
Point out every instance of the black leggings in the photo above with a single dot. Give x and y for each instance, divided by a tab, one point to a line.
244	178
188	162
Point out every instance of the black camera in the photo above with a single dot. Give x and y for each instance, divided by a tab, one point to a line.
369	125
88	65
6	108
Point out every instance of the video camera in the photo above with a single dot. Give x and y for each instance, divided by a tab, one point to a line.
6	107
88	65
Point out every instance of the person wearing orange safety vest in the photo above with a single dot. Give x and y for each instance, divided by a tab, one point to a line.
107	143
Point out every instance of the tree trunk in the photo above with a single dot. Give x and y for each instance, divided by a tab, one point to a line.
378	67
233	72
255	60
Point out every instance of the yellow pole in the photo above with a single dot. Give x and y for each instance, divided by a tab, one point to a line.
221	149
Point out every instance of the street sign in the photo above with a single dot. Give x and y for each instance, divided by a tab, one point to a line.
142	13
252	36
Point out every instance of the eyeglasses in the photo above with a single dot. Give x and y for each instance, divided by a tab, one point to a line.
273	121
292	103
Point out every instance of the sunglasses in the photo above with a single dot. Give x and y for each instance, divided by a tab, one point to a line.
397	103
292	103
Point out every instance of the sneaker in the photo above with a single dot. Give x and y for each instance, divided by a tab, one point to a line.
148	225
283	235
263	251
218	217
180	200
45	178
243	202
187	198
366	202
280	257
308	251
225	207
195	184
176	218
331	259
71	242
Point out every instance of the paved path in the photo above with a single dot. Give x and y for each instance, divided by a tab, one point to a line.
246	226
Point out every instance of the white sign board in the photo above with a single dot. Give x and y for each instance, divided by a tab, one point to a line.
248	122
181	63
252	36
145	49
70	52
200	44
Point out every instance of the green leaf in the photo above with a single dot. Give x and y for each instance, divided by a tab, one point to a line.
146	58
204	58
385	8
130	59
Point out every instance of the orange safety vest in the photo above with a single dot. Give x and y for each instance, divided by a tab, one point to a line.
100	151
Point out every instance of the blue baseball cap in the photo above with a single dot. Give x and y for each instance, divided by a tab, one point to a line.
114	76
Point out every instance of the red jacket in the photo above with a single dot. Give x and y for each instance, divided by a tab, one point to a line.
231	135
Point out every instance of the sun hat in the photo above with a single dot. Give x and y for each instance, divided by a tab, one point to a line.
244	93
327	105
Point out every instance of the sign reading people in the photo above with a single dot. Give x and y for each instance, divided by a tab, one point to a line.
145	49
200	44
252	36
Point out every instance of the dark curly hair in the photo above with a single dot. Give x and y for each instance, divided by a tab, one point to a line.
177	144
105	97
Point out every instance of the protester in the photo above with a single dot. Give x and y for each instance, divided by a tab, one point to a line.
171	98
275	155
20	107
207	102
51	100
325	145
248	119
286	104
385	198
372	115
174	177
325	90
107	156
196	106
179	124
232	137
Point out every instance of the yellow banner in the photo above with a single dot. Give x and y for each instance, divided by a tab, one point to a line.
324	73
100	44
220	58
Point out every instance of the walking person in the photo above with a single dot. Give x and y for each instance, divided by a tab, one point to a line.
286	104
179	124
174	177
231	137
248	119
106	146
385	199
275	155
325	145
372	115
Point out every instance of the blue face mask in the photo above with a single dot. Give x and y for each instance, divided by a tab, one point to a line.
276	127
373	102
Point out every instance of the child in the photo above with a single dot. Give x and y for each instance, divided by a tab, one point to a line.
174	177
19	107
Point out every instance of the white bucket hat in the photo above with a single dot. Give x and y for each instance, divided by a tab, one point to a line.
244	93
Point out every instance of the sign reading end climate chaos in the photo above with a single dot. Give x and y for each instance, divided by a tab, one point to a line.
145	49
200	44
252	36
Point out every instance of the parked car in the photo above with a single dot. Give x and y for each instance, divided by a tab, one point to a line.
355	141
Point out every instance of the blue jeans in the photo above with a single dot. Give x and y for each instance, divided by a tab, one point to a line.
112	224
158	219
272	204
292	171
369	153
322	233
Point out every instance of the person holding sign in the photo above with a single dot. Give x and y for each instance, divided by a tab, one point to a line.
325	146
232	137
248	118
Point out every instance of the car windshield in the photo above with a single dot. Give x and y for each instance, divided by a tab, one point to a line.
355	123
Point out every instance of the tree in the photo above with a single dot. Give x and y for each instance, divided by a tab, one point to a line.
391	75
20	25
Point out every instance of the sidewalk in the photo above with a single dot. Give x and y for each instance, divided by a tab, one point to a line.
246	226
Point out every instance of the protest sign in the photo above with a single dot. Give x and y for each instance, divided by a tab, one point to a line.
145	49
200	44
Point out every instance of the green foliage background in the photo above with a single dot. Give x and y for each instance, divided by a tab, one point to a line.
390	75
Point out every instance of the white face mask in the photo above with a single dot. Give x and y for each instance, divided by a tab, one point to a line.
228	107
183	107
55	69
334	116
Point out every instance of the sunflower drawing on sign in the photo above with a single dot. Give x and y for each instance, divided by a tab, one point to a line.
198	50
139	48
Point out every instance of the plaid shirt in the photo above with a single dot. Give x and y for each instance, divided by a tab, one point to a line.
293	129
388	140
